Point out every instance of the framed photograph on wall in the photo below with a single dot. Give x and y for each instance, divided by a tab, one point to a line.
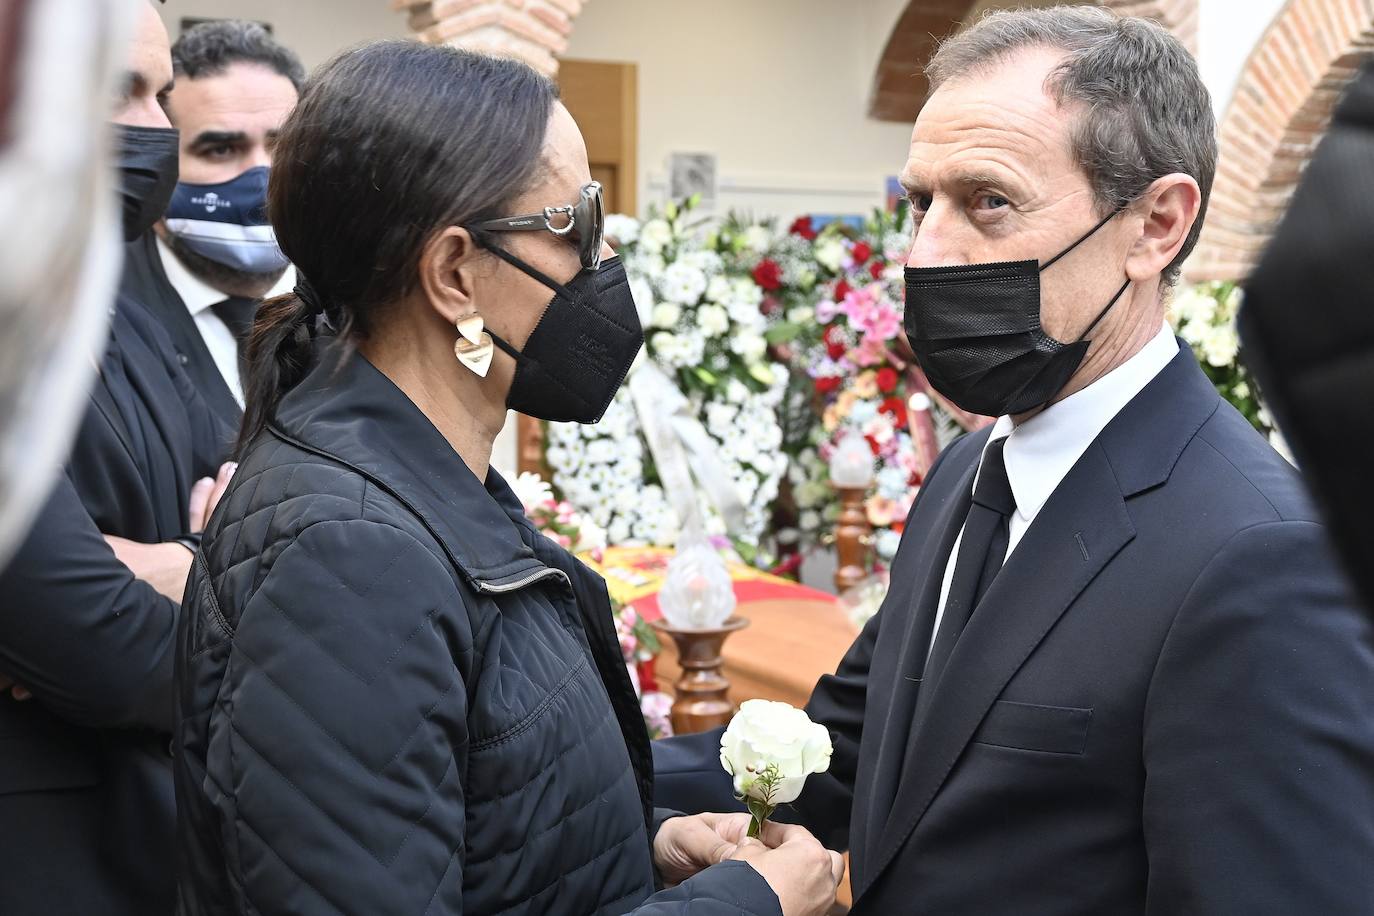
693	173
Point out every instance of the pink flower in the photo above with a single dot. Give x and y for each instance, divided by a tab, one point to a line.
826	311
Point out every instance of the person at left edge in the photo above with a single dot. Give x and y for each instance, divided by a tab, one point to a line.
89	602
214	257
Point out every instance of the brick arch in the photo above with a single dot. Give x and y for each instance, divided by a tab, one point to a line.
534	30
899	85
1280	110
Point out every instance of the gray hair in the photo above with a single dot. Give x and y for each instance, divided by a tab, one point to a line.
210	48
1145	111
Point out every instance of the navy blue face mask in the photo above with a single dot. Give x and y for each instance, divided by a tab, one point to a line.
227	222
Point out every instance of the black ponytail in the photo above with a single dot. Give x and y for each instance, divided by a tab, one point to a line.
390	143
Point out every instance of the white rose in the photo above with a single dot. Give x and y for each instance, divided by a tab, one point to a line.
886	543
718	290
623	229
770	748
757	239
802	314
750	346
655	235
666	315
829	253
713	320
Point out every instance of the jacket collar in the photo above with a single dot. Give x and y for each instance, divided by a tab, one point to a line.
347	410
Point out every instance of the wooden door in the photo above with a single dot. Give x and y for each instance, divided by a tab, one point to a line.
603	98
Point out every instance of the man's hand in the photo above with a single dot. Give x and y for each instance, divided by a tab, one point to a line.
802	872
163	566
686	845
205	495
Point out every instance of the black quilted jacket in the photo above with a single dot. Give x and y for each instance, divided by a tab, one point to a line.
395	697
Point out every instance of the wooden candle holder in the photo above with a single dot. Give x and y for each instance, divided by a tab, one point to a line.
700	696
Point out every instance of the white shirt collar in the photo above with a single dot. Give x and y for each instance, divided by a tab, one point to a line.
199	295
1041	451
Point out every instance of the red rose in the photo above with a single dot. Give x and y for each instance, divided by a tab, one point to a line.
896	409
768	274
876	269
887	379
802	226
873	444
842	289
827	383
862	252
835	344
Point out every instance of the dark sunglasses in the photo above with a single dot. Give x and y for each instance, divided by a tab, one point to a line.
582	224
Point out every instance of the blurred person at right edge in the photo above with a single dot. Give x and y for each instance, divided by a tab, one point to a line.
89	602
1308	329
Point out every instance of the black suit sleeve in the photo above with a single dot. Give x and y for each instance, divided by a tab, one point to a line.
89	640
1259	737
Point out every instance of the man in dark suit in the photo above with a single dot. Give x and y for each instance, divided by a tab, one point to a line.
89	602
214	257
1117	670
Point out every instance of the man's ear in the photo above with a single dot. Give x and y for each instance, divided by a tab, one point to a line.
1169	208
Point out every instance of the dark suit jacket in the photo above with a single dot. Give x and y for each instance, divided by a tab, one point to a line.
1163	704
1308	330
86	799
146	282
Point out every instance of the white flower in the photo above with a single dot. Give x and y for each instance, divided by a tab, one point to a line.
829	253
532	490
590	536
655	235
666	315
736	392
649	265
643	292
770	748
602	451
810	520
623	229
802	314
886	543
757	239
706	261
682	283
1193	304
619	531
1220	345
746	290
891	483
713	320
749	345
719	289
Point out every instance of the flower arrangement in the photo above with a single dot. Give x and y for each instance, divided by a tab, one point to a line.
1204	315
705	330
837	316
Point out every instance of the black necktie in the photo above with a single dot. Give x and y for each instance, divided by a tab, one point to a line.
981	554
237	314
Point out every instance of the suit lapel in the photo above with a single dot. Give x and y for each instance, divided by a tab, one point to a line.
1081	527
918	594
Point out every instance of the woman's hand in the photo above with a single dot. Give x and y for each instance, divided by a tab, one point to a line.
802	872
163	566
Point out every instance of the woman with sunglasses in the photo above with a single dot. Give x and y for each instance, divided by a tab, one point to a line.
395	695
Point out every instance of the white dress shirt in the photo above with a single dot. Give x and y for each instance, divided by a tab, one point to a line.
1041	451
200	297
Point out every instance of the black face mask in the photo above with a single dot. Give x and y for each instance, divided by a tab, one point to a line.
147	161
582	348
976	333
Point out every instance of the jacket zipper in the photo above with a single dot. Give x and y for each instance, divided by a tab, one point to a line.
545	573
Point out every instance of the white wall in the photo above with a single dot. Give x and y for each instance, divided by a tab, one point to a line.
314	29
777	89
1228	31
